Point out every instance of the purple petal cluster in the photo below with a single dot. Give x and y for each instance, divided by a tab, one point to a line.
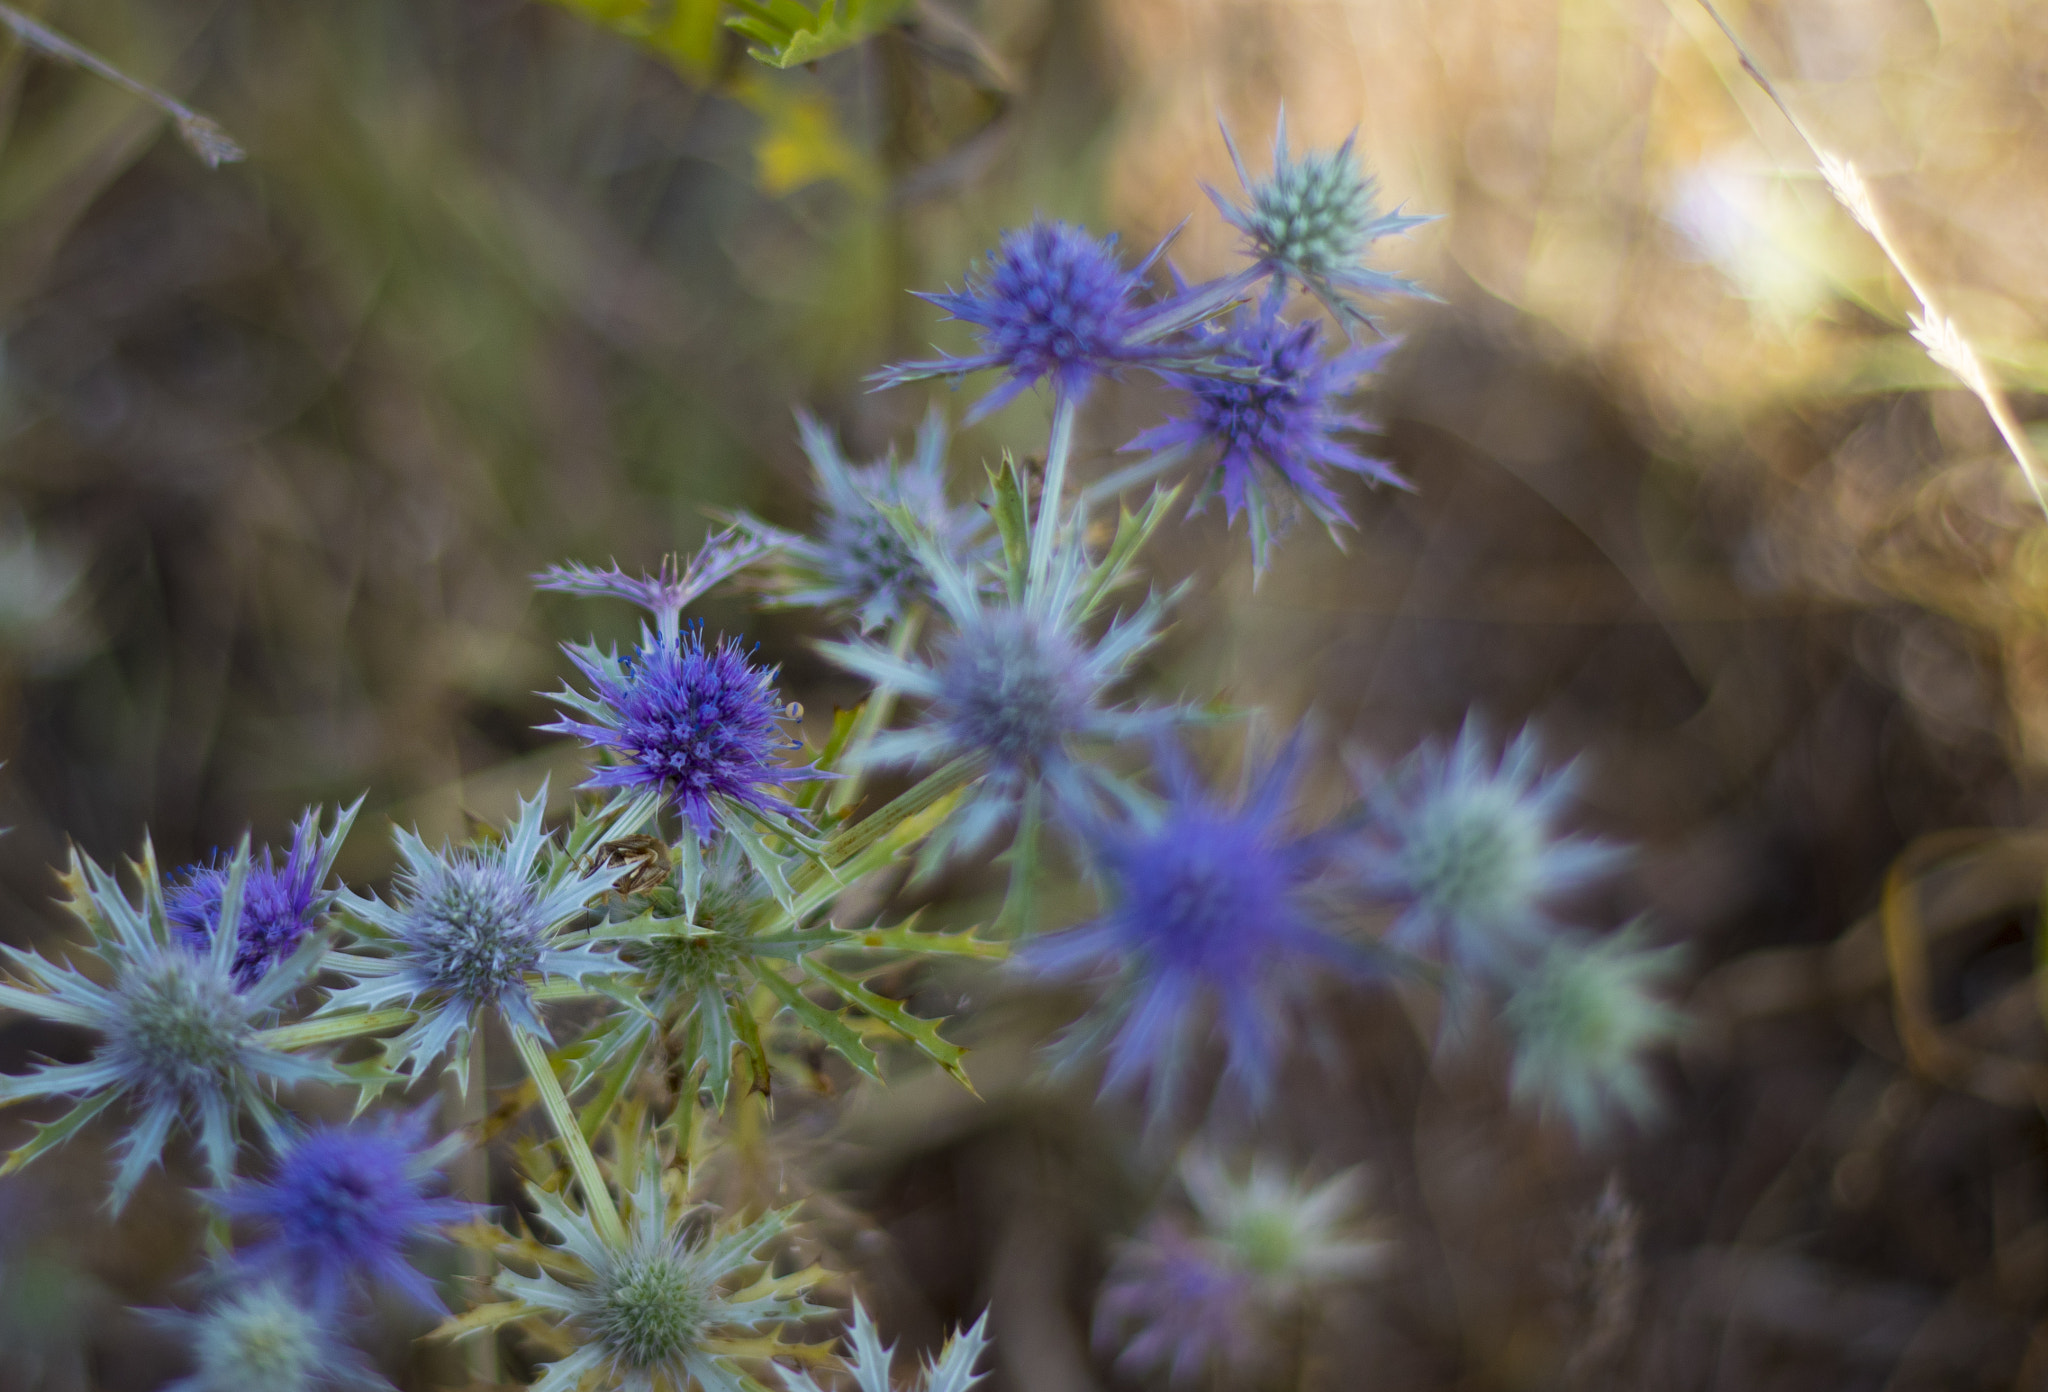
1210	903
344	1207
1055	303
280	904
699	722
1281	427
1184	1309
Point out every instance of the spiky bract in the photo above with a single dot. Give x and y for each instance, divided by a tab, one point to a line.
1312	221
700	724
280	904
178	1038
472	929
1582	1023
860	561
345	1205
1212	907
1056	304
951	1371
665	593
659	1313
1212	1298
1467	844
1017	684
264	1335
1274	437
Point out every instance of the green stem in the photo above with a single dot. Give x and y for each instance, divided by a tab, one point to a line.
1015	918
474	1178
333	1028
597	1198
874	715
812	883
1143	471
1056	451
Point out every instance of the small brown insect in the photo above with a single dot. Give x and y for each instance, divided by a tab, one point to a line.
647	859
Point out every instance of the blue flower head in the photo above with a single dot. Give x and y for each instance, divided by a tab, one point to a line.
1274	437
1017	685
1312	221
664	1309
1054	303
1467	844
860	560
666	593
344	1206
179	1037
700	724
280	905
264	1335
1210	905
1581	1023
472	929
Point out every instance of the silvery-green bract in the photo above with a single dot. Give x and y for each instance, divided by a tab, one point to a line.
665	1310
473	929
1019	685
665	593
1312	220
951	1371
179	1037
859	560
1582	1022
1466	843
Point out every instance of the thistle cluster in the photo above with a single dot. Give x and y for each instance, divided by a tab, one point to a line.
704	920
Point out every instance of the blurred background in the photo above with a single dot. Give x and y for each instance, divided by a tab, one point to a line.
500	285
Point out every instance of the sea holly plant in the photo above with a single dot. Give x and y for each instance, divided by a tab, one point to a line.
718	917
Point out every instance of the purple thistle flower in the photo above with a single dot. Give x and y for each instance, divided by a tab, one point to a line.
1054	302
702	724
1274	436
665	593
344	1205
280	905
1209	901
1183	1309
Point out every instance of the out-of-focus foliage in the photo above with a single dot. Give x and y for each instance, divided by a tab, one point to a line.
783	33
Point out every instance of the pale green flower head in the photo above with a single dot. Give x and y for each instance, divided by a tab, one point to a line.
263	1336
1582	1023
669	1310
1313	220
1287	1234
